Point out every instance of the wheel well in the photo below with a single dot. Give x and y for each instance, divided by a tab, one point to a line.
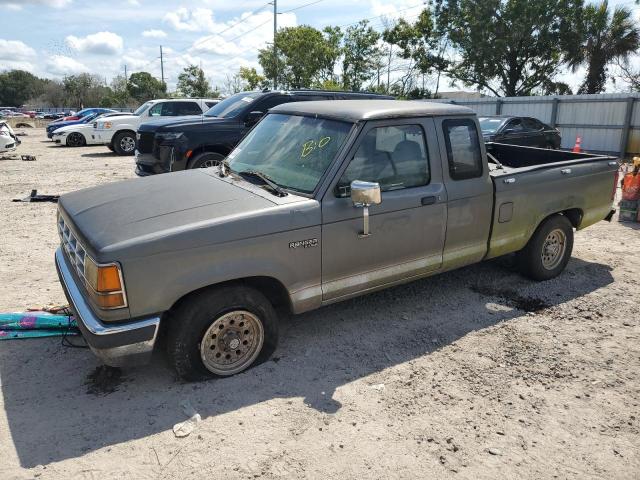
574	215
271	288
222	150
123	131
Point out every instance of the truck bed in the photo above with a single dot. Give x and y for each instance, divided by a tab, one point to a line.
533	183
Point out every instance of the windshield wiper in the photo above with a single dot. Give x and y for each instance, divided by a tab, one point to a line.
275	188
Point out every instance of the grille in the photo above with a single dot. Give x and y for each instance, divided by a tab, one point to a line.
145	142
75	251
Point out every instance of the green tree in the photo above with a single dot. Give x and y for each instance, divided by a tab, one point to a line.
17	86
422	42
608	37
360	54
192	82
301	57
142	86
509	47
331	52
84	90
251	78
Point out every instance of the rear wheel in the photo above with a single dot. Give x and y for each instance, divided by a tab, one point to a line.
76	140
124	143
549	249
220	332
206	160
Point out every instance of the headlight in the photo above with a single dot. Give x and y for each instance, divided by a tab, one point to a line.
106	125
105	284
170	135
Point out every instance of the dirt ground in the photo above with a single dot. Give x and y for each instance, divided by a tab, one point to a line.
473	374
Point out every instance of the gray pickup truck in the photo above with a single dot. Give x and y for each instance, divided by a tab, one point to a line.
320	202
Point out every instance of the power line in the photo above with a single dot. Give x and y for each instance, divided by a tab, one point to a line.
301	6
383	15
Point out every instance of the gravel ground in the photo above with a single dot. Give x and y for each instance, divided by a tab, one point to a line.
474	374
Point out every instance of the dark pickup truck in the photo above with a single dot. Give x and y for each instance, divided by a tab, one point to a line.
171	145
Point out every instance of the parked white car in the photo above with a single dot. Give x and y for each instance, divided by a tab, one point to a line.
8	139
119	134
82	134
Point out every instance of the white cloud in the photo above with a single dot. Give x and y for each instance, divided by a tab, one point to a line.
47	3
196	20
154	34
101	43
244	38
15	50
61	65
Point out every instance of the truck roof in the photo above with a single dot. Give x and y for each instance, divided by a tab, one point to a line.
356	110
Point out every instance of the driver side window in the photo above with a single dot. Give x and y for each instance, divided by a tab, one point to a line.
394	156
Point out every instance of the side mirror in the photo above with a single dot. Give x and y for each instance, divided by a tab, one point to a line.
364	194
253	118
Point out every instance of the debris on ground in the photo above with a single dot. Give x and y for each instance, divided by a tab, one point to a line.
35	197
36	324
184	429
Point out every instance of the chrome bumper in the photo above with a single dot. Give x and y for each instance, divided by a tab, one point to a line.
116	345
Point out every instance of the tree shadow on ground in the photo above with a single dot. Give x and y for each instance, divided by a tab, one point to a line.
46	394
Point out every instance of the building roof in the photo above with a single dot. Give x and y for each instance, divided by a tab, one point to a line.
356	110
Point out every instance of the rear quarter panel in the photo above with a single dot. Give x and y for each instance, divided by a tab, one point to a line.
524	198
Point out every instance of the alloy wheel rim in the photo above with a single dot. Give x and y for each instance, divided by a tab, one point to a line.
127	144
74	140
232	342
553	249
209	163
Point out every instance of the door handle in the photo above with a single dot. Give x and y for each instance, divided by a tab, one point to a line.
428	200
565	171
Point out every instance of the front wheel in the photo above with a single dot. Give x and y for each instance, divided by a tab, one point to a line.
219	332
548	251
206	160
124	143
76	140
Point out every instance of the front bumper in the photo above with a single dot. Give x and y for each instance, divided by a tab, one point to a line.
145	164
118	344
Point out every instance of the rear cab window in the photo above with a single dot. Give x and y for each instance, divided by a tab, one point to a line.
463	148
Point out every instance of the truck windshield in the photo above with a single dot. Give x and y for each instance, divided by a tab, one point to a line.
232	106
142	108
490	125
291	150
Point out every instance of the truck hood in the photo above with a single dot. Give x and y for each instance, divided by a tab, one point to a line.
171	123
146	215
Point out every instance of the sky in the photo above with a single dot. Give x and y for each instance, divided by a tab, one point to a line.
54	38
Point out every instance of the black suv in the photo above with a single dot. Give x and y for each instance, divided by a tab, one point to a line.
170	145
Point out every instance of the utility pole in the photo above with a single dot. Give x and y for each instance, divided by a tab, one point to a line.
161	65
275	49
126	79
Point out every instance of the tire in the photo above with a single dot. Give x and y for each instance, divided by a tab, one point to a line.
207	332
206	160
124	143
548	251
76	140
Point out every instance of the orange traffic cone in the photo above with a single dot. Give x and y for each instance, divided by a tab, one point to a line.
577	148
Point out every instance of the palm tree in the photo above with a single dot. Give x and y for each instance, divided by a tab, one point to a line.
607	38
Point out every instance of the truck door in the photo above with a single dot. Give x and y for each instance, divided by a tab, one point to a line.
407	227
469	191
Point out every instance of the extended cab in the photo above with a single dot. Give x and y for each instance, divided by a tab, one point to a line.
320	202
170	145
119	134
